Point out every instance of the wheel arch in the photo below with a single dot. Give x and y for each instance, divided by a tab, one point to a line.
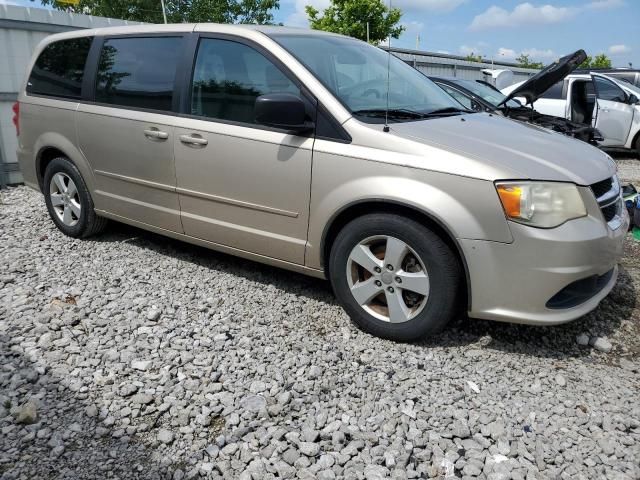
362	207
635	143
52	145
43	159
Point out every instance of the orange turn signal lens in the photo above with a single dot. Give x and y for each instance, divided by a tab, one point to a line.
510	196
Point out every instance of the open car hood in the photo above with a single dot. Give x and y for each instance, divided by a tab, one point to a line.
547	77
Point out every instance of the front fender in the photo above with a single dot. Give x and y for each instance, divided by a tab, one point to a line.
467	208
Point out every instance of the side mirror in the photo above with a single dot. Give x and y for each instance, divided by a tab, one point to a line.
282	110
632	99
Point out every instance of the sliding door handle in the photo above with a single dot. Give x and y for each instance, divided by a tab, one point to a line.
156	134
193	140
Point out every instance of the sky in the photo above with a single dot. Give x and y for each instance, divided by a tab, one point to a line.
503	29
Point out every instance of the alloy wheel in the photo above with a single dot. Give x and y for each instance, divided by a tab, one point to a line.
65	199
388	279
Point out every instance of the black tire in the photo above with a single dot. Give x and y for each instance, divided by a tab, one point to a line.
637	145
88	223
442	266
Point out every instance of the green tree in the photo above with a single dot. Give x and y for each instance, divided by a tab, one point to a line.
473	58
350	17
178	11
587	62
599	61
523	61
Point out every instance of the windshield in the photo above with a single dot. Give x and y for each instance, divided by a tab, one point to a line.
488	94
356	73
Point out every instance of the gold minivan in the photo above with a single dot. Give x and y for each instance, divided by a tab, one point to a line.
324	155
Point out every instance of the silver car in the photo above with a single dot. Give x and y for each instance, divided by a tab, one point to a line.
321	154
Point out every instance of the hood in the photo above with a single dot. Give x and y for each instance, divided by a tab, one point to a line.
509	150
547	77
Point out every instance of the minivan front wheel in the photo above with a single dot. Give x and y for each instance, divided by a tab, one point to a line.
68	201
395	278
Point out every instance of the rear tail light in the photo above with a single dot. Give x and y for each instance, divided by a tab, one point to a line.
16	117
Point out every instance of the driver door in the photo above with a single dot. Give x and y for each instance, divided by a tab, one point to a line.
614	115
240	184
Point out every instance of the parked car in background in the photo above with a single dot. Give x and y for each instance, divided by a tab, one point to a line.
481	96
629	75
596	99
324	155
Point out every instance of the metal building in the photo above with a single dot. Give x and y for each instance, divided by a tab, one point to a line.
445	65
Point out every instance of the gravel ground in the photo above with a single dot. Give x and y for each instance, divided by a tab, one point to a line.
134	356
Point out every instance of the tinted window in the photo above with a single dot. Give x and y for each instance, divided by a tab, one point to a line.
60	68
555	92
229	76
487	93
138	72
607	90
626	76
464	100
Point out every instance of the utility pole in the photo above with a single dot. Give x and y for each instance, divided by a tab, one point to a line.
164	11
367	32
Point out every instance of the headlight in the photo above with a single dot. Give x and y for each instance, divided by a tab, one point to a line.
541	204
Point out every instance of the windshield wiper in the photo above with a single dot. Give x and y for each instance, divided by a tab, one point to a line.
395	113
445	111
405	113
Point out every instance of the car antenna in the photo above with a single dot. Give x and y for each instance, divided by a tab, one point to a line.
386	113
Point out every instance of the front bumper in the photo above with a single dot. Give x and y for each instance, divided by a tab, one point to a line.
515	282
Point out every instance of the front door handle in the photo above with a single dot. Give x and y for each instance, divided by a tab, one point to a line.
193	140
155	133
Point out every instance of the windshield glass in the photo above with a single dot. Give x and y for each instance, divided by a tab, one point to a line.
356	73
488	94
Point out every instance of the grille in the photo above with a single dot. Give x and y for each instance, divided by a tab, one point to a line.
607	193
600	188
610	212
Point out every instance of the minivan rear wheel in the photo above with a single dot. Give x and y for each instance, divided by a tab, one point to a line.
396	278
68	200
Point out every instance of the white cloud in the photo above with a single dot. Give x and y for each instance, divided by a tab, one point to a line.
522	14
533	53
414	26
528	14
506	53
428	5
604	4
618	49
536	54
299	17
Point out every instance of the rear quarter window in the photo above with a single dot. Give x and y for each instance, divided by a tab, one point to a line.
59	69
